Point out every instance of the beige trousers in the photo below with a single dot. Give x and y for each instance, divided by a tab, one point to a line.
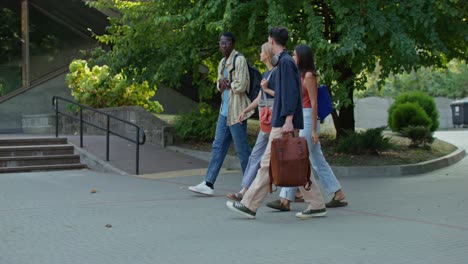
261	185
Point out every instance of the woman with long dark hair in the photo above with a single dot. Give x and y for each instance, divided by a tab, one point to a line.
304	59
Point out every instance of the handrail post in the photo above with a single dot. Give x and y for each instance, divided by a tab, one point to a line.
56	116
138	151
55	102
81	127
107	138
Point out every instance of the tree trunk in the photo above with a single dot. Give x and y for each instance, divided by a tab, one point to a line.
343	119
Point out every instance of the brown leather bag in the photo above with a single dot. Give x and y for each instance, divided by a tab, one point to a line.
289	162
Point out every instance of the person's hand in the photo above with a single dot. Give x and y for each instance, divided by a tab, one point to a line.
227	84
223	84
240	117
315	137
287	127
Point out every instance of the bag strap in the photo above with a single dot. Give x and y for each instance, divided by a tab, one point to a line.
233	64
268	78
309	182
271	180
288	135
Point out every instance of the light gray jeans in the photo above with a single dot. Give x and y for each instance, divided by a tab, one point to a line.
254	159
326	176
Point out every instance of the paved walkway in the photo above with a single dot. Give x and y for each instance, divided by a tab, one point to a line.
52	217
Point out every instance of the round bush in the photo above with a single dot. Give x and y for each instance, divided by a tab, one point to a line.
426	102
408	114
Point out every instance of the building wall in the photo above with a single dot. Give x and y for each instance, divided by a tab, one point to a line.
371	112
37	100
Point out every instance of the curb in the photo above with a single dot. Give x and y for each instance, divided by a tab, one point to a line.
232	163
401	170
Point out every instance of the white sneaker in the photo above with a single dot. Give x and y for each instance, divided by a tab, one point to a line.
202	188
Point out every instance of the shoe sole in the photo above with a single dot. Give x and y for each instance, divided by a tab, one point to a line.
232	208
303	216
195	191
278	209
233	199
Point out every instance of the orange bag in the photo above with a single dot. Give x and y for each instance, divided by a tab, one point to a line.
265	119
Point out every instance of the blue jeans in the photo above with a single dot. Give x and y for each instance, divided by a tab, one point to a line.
254	159
223	137
325	174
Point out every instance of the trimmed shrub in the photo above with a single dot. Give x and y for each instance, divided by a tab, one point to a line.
98	87
197	125
408	114
419	135
370	141
426	102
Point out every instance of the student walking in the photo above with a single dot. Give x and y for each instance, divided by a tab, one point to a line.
304	59
233	82
253	165
287	118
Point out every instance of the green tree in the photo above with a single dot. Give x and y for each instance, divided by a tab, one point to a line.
9	35
160	40
449	82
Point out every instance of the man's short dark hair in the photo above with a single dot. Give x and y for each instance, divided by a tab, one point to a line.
280	35
229	35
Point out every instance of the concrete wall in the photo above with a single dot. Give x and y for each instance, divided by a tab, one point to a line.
157	131
173	101
372	112
34	101
30	111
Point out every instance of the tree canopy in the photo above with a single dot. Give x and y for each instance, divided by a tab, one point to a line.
161	40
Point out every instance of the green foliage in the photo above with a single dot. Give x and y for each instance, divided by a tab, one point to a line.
406	114
419	135
1	89
197	125
162	40
97	87
449	82
425	101
370	141
9	35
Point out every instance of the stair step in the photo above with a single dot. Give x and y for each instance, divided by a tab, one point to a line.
43	168
39	150
39	160
32	141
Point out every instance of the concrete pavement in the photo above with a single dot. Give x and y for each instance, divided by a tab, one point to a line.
51	217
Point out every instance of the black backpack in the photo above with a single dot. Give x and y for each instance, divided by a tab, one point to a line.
255	79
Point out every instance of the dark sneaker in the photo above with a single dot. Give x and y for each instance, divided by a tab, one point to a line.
312	213
276	204
335	203
240	209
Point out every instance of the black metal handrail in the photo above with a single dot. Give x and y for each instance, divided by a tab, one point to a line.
139	129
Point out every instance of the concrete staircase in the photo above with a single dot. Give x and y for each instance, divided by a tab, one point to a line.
37	154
